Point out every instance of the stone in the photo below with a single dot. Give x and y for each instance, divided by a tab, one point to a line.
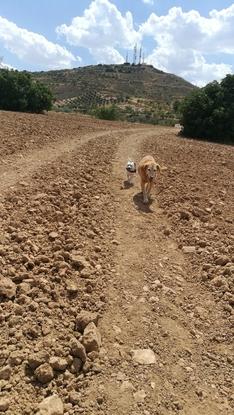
71	287
185	215
44	373
5	372
7	287
78	350
91	338
74	397
16	358
52	405
76	365
84	318
53	235
58	363
37	359
139	396
144	356
79	262
189	249
4	404
222	260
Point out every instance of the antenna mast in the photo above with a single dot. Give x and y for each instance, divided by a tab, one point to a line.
127	57
135	54
140	56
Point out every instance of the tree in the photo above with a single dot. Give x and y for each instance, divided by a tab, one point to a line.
19	92
208	113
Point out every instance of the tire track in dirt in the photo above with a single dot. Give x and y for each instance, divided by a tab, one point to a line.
153	305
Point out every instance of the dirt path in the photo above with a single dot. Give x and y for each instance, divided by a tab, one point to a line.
153	304
19	166
74	239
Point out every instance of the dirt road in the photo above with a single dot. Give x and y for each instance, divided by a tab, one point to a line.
160	277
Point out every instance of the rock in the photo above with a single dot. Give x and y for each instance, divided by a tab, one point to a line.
140	396
200	312
44	373
185	215
189	249
76	365
91	338
84	318
219	282
198	212
16	358
4	404
71	287
74	397
78	350
53	235
79	262
222	260
5	373
167	232
144	356
37	359
58	363
53	405
7	287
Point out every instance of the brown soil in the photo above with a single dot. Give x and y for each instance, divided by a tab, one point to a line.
160	277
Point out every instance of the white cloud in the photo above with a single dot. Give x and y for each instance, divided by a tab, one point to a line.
33	48
150	2
107	55
188	64
102	29
186	40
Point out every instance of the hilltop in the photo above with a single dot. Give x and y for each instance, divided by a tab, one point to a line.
141	81
140	88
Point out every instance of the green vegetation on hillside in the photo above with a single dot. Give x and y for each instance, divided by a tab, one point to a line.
116	82
208	113
19	92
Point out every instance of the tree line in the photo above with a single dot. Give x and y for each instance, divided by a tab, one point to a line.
208	113
19	92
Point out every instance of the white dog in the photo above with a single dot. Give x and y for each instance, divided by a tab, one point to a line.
131	171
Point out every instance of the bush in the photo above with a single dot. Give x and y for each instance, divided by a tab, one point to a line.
18	92
208	113
109	112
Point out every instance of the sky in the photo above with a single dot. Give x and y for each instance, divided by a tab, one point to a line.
190	38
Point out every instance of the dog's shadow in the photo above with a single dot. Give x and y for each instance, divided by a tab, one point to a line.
127	185
138	202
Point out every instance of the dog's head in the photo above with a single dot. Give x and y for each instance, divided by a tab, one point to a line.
131	166
151	171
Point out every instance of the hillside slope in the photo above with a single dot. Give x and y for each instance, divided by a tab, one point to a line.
141	81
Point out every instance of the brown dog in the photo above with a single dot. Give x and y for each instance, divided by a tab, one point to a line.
147	170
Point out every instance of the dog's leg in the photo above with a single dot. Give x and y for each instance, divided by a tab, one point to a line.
129	178
149	189
145	197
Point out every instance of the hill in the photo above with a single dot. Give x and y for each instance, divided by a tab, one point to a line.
141	81
141	88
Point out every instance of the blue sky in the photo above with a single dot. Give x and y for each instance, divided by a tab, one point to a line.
186	37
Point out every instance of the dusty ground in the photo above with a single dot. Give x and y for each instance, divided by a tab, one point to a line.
73	238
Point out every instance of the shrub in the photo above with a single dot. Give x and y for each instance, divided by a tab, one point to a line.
208	113
18	92
109	112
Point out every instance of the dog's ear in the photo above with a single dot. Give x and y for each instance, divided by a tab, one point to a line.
158	167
